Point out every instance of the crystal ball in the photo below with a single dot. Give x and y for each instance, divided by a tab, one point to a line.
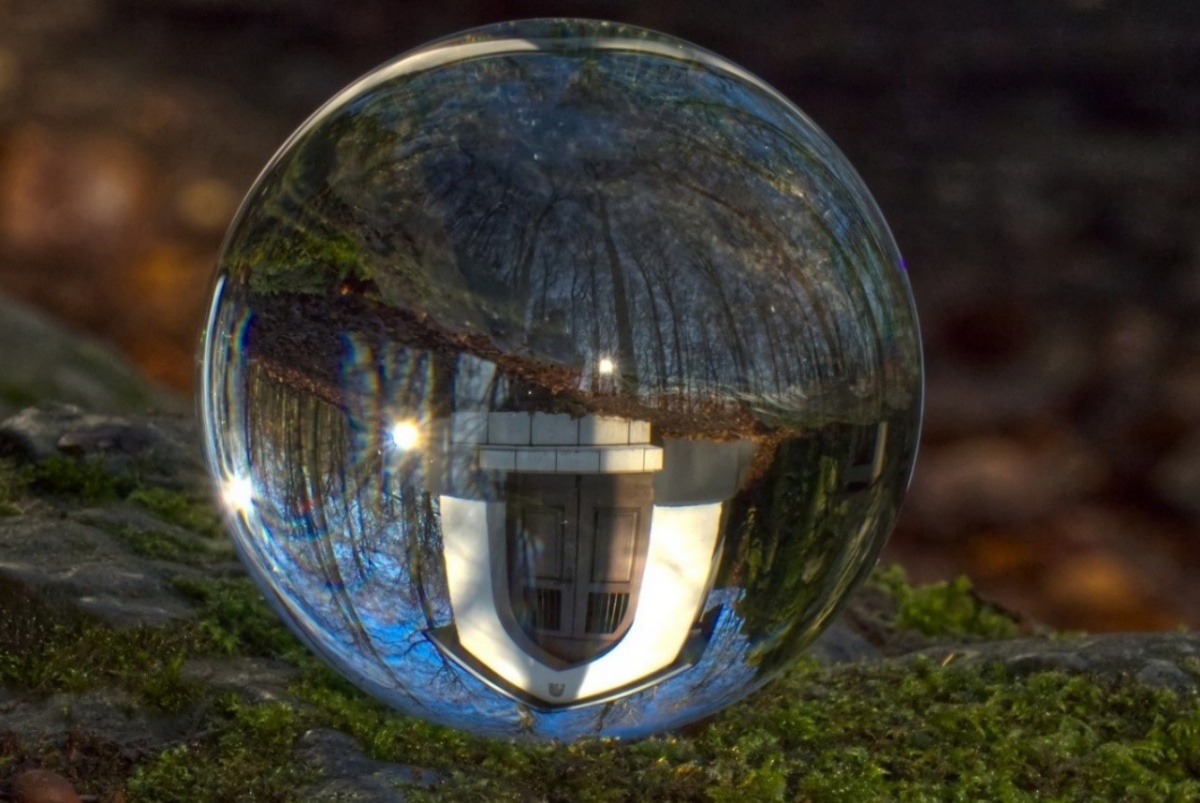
560	378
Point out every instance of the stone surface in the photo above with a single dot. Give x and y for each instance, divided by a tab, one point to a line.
841	644
89	568
86	553
1165	660
162	451
42	361
109	712
259	679
350	776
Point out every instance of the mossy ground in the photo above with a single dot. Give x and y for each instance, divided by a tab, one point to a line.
907	729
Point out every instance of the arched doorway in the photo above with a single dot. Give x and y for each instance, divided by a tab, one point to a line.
576	549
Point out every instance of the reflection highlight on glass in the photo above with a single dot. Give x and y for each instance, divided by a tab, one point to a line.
405	435
238	494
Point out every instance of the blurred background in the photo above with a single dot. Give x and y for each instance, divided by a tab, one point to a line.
1038	160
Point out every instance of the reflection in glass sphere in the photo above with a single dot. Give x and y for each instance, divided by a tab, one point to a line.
561	378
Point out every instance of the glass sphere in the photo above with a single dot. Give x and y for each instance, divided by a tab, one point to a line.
561	378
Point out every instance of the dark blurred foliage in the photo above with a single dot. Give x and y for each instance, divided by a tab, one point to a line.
1037	159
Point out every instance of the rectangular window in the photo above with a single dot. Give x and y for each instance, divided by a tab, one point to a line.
605	612
545	607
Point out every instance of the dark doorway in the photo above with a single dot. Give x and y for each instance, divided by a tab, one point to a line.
576	552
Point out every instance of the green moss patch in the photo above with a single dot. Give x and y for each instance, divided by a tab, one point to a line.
233	619
12	488
945	609
912	729
178	509
44	650
904	729
896	731
86	481
382	732
245	753
164	545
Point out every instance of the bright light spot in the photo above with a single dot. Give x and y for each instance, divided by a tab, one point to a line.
606	365
405	435
239	494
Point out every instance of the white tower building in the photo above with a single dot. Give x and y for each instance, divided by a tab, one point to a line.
580	573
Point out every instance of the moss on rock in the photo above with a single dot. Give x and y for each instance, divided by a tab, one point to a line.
179	509
943	609
243	753
899	729
11	488
82	481
907	727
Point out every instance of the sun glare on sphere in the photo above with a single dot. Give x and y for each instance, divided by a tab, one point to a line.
238	494
405	435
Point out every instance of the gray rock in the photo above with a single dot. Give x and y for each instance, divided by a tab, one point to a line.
159	451
348	775
86	567
260	679
42	360
89	558
111	713
1167	660
34	432
841	644
1166	675
215	555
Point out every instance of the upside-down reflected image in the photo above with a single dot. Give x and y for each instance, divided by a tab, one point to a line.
560	378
